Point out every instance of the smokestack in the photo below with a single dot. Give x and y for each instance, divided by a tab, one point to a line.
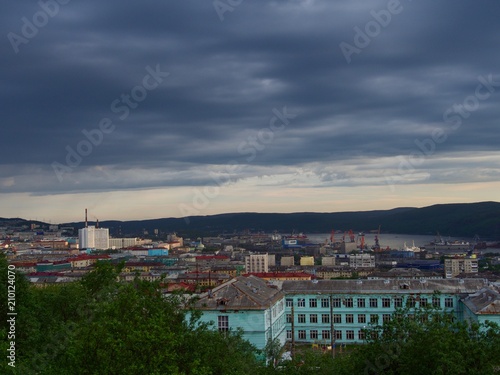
86	222
97	223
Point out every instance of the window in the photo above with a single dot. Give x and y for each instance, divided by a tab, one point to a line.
373	302
386	302
302	334
301	318
313	318
361	302
348	302
325	302
361	334
313	302
289	302
338	335
288	334
313	334
410	302
386	318
325	334
436	302
223	323
349	334
288	318
398	302
337	318
423	302
325	318
374	318
336	302
349	318
361	318
448	302
301	302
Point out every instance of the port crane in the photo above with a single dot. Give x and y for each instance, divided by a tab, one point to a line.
350	234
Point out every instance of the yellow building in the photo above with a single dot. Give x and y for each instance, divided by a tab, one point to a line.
307	261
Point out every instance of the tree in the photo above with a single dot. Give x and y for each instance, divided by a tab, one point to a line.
103	326
427	340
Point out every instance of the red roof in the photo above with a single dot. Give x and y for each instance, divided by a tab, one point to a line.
181	286
23	264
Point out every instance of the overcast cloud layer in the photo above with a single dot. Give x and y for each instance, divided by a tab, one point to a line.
201	107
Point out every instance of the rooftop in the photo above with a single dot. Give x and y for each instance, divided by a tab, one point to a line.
485	301
384	285
240	293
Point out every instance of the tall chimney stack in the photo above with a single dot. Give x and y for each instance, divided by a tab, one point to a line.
97	223
86	222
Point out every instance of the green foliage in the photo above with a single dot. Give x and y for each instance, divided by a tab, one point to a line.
102	326
415	342
427	341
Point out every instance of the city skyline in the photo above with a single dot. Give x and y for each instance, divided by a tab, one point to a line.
143	111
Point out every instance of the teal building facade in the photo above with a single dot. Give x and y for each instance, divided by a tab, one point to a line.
314	309
247	303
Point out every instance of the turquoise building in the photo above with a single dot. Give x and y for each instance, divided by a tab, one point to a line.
337	311
481	307
246	303
314	307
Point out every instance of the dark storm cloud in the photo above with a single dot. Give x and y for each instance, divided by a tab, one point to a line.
226	78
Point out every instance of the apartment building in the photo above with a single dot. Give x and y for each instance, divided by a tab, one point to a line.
361	261
456	266
256	263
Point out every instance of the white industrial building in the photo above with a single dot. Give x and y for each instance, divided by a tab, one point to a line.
92	237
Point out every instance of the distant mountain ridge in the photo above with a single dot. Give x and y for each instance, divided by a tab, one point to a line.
457	219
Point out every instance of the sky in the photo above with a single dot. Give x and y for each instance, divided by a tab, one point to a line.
154	109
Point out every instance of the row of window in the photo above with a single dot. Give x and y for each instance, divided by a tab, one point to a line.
337	318
372	302
325	334
223	323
